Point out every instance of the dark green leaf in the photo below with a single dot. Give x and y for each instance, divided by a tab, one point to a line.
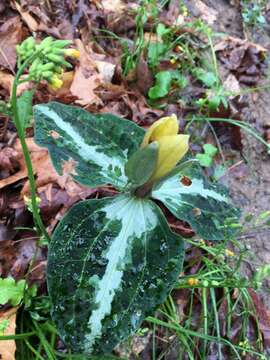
142	164
206	207
25	109
95	147
110	264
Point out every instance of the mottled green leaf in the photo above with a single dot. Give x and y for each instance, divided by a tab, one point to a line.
205	206
111	263
142	164
95	147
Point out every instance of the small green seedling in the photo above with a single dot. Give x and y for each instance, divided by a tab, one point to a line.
164	81
206	159
11	291
215	96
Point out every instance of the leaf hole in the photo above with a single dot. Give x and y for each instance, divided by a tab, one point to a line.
186	181
196	211
54	134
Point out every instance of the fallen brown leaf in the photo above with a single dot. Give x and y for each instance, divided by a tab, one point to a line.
231	84
11	34
86	78
6	82
244	58
27	18
206	13
8	347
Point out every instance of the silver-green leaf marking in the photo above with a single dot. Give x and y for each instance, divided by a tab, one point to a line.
98	145
206	207
116	260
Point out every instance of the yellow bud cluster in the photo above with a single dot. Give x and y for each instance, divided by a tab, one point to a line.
193	281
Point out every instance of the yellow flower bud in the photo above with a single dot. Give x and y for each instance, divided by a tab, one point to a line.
193	281
55	82
172	147
229	253
72	53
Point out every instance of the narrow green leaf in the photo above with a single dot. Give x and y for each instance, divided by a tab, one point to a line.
206	207
25	109
142	164
111	263
94	148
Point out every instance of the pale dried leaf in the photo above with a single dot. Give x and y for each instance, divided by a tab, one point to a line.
10	35
207	14
6	82
8	347
86	78
113	5
231	84
27	18
106	70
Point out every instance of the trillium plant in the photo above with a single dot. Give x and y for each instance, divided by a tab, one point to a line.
112	261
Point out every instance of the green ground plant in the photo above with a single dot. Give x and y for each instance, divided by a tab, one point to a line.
103	274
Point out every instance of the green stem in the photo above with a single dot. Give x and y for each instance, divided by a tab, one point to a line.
36	216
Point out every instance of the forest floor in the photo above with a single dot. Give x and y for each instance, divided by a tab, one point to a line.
216	54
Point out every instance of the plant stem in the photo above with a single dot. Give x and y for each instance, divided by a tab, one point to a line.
36	216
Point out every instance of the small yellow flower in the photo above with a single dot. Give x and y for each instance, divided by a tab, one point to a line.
229	253
56	82
193	281
72	53
173	61
172	147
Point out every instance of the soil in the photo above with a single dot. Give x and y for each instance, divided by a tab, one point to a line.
250	183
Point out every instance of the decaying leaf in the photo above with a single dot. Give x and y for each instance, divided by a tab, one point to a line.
27	17
231	84
206	13
244	58
113	5
86	78
6	82
106	70
11	34
8	327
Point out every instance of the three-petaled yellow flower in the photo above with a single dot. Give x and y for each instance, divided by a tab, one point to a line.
171	146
